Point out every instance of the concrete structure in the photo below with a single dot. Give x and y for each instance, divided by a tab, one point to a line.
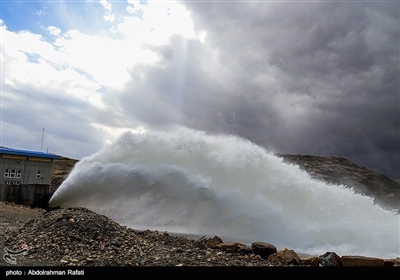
25	176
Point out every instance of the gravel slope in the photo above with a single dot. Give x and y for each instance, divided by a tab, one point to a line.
14	216
80	237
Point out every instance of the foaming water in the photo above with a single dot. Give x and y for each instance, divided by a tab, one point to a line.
192	183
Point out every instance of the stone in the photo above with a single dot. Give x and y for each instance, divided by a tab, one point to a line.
310	261
388	262
263	249
330	259
285	256
229	247
201	243
242	248
361	261
211	242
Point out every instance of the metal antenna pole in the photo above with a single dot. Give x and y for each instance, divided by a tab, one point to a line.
41	147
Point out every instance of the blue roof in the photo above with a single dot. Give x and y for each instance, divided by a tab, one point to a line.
11	151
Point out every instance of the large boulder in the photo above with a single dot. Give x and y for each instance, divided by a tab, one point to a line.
310	261
361	261
330	259
285	257
263	249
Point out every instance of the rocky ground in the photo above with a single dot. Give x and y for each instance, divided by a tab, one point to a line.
12	217
76	237
80	237
73	237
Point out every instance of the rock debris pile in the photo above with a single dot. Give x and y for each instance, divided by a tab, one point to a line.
80	237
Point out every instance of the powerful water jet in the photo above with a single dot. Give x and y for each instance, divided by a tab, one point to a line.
192	183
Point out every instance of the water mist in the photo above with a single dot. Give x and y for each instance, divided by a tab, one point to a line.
192	183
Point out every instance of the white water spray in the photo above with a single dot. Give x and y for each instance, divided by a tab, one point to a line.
192	183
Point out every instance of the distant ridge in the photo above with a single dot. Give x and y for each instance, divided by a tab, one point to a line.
339	170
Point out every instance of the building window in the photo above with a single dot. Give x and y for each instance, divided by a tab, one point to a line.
12	182
12	173
38	175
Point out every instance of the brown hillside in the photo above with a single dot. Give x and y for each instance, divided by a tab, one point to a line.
61	169
339	170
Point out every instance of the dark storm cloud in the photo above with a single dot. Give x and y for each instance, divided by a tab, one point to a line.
308	77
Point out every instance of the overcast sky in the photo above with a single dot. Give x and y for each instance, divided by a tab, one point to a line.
300	77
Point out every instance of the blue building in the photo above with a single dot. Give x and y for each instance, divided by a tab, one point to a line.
25	176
